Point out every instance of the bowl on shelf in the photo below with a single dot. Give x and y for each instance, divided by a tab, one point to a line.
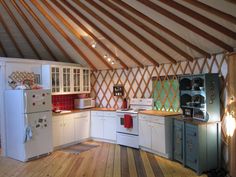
201	88
188	103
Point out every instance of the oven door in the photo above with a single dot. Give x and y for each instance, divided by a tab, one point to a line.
120	124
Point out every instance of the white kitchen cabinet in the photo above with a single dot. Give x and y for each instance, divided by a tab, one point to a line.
86	80
63	130
57	131
103	125
155	134
158	137
69	130
97	126
109	130
82	125
66	79
77	73
144	134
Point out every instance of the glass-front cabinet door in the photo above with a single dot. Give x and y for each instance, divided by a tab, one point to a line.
55	74
66	80
86	80
77	79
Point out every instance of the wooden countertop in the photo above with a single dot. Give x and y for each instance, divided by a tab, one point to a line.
103	109
72	112
160	113
83	110
193	121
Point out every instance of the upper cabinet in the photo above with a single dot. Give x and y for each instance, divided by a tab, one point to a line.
55	79
86	80
200	96
66	79
77	79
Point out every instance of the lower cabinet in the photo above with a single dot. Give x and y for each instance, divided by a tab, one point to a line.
178	140
145	131
196	145
158	138
70	128
57	131
97	126
82	126
63	130
155	134
103	125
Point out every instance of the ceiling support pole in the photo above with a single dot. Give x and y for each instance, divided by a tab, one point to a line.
232	111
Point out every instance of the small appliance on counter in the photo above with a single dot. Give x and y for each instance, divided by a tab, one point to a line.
84	103
28	123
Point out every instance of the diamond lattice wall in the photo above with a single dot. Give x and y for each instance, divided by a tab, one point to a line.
138	81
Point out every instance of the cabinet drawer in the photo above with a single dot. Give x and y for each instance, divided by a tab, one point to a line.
81	114
155	119
97	113
109	114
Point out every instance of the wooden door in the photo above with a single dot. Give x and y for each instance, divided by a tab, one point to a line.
178	141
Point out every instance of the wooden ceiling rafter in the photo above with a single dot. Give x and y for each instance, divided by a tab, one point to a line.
3	50
104	35
36	33
187	25
45	29
11	37
212	10
115	31
132	31
189	12
63	33
159	26
147	29
20	28
73	30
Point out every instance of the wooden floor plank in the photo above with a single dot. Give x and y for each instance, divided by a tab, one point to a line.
102	161
105	160
155	166
139	164
124	162
147	164
131	162
117	165
110	161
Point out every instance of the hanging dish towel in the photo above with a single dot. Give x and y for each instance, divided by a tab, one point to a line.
128	121
28	134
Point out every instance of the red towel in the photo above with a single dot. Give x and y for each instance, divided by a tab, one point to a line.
128	121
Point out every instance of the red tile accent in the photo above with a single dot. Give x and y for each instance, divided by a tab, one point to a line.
65	102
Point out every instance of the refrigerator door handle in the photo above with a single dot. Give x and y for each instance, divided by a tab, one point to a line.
26	104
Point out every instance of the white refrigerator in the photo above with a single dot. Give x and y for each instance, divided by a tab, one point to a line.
28	123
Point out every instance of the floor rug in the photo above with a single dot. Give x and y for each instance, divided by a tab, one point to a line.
79	148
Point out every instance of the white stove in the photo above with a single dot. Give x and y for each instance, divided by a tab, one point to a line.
129	136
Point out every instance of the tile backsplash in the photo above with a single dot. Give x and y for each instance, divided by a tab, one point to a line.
64	102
